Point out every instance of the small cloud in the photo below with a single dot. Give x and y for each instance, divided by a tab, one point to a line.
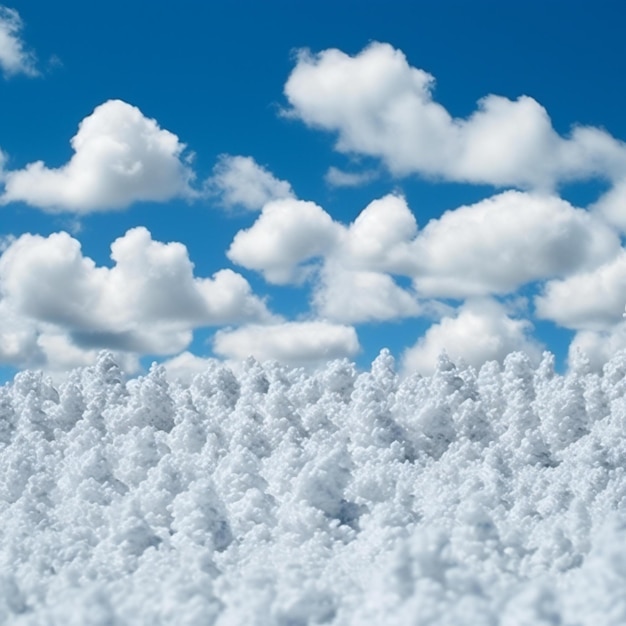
54	62
597	346
338	178
353	296
240	181
120	157
481	331
294	343
184	366
591	300
15	58
286	233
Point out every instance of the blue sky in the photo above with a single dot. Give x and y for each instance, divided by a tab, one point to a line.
497	127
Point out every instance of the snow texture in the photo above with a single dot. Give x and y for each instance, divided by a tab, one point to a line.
275	496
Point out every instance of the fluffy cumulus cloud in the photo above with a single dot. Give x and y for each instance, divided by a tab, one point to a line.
592	300
295	343
240	181
381	106
492	247
286	233
508	240
120	157
482	331
360	296
597	346
610	206
381	237
184	366
149	301
15	58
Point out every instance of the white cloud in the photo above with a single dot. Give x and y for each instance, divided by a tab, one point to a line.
380	238
287	233
492	247
14	57
612	206
598	346
18	338
120	157
359	296
482	331
241	181
338	178
184	366
148	302
592	300
382	107
294	343
508	240
61	355
3	162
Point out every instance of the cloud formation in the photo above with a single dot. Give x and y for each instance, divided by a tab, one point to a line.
481	331
597	346
380	106
295	343
120	157
240	181
506	241
149	301
15	58
592	300
353	296
490	248
286	234
339	178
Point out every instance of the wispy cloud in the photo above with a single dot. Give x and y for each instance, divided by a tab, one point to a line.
239	181
339	178
15	58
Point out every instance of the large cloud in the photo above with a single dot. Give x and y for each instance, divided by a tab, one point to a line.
120	157
295	343
482	331
148	302
241	181
508	240
382	107
492	247
14	57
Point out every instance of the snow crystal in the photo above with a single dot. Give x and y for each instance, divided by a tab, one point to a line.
276	496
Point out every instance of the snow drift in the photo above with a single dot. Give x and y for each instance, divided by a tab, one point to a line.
274	496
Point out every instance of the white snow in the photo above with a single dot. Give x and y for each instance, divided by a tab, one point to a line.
273	496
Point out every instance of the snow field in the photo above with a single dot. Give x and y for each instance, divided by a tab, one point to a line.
273	496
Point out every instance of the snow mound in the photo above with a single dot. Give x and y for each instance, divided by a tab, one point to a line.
273	496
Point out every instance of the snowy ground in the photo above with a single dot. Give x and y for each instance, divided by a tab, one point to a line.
277	497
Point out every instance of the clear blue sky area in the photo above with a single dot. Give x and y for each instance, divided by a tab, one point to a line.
336	129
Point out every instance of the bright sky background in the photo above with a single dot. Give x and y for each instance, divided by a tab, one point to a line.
303	181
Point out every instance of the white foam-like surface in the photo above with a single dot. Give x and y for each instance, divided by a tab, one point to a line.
278	497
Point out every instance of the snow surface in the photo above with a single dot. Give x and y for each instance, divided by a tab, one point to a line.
274	496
